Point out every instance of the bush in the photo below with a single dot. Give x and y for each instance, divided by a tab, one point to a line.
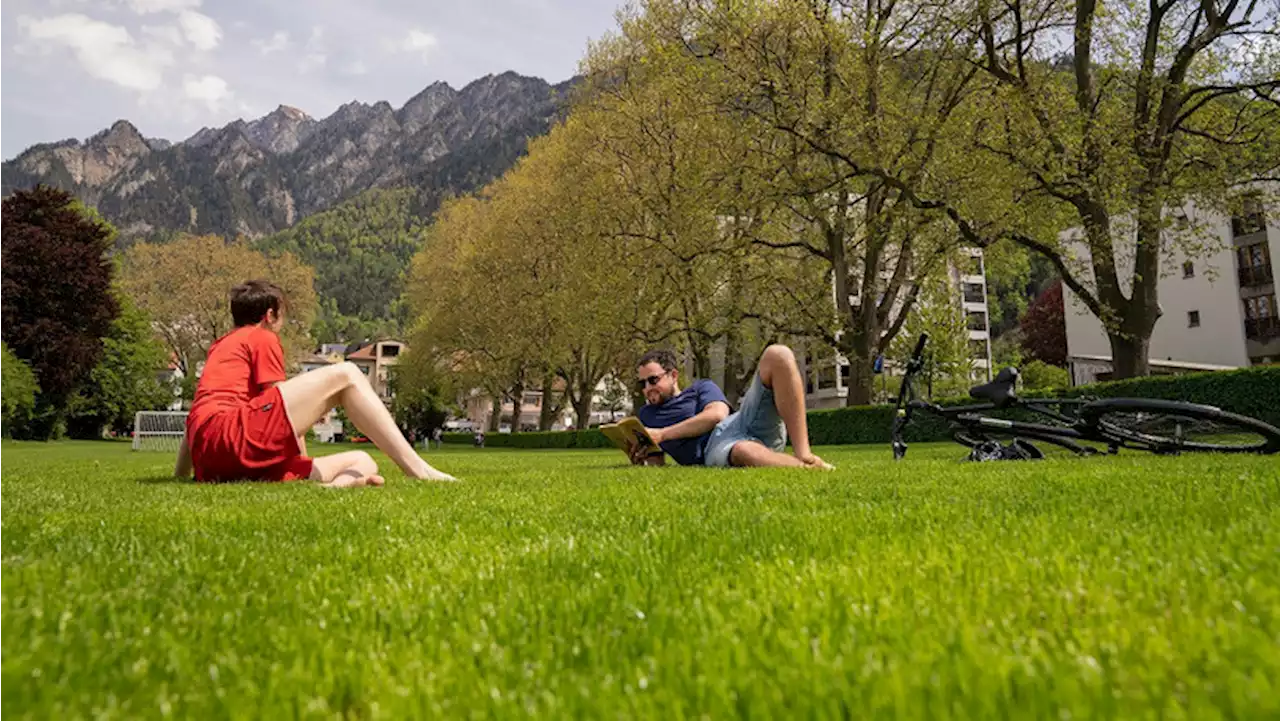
1252	392
1039	376
20	389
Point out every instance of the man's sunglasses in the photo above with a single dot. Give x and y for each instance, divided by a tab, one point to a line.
650	381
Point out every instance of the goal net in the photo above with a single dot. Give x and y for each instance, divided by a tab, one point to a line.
159	430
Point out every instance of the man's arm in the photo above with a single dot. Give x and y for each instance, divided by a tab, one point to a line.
183	468
703	423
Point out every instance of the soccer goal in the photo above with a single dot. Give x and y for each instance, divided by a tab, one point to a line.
159	430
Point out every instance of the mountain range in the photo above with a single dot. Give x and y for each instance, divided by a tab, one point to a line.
258	177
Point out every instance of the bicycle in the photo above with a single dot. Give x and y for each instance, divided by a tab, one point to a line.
1145	424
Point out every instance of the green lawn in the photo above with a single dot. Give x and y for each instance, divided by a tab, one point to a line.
562	583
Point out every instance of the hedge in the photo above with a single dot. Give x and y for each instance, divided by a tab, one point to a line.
1252	392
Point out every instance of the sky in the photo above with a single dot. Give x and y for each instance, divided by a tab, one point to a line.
69	68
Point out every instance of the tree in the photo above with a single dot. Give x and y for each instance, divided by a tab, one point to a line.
1044	328
20	390
57	300
125	380
183	285
948	360
1156	106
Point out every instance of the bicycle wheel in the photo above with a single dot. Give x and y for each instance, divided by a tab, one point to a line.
1173	426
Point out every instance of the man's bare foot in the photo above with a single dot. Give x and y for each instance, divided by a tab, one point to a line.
434	475
811	461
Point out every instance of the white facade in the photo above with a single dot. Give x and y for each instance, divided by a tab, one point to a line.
1212	307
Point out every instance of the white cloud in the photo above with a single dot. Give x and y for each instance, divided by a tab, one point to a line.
145	7
355	68
314	53
208	89
277	42
105	51
201	30
417	42
167	34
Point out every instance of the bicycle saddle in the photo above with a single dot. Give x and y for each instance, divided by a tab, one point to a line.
999	391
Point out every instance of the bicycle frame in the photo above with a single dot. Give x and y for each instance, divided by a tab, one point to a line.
970	416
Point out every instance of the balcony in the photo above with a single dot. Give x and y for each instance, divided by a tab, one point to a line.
1254	275
1262	329
977	321
973	293
1248	224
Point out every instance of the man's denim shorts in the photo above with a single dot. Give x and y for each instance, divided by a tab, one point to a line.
757	419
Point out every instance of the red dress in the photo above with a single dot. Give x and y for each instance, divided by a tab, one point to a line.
238	428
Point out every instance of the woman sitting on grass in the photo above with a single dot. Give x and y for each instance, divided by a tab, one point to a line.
248	422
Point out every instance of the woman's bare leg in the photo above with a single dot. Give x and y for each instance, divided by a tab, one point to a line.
308	397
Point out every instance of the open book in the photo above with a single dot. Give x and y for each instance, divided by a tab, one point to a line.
627	434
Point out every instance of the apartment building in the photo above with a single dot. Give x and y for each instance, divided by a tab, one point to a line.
1219	309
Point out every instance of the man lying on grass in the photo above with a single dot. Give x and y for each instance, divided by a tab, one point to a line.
695	426
248	422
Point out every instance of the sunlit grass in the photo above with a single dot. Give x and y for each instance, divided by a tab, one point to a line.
566	583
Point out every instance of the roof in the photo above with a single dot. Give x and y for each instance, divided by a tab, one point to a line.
315	358
365	351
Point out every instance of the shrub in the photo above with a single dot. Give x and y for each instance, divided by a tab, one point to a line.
20	389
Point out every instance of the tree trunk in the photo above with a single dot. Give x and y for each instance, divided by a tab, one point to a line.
517	404
582	408
495	418
731	386
547	416
860	353
1130	355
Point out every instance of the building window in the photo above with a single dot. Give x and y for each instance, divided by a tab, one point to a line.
973	293
390	351
1188	269
977	320
1251	219
1260	321
532	399
978	349
1254	265
1193	319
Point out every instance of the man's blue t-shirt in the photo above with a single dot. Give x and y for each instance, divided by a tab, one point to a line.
681	407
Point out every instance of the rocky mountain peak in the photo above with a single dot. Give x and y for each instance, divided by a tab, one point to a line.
423	107
281	130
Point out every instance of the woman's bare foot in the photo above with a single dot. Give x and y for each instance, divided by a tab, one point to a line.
347	480
427	473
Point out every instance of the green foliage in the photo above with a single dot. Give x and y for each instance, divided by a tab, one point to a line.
125	380
360	250
20	389
1106	588
1041	376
